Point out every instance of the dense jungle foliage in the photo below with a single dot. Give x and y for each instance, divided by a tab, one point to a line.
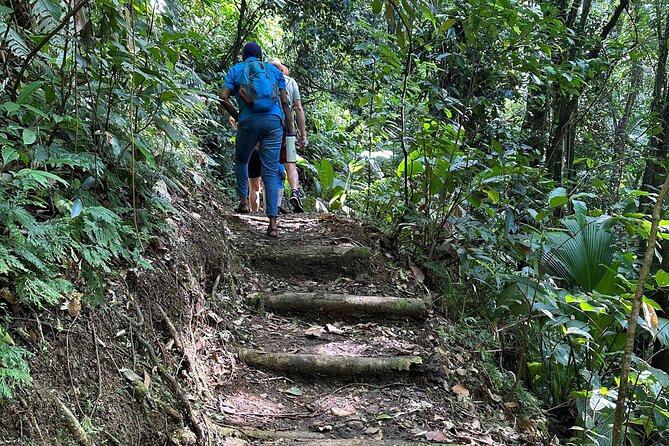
513	151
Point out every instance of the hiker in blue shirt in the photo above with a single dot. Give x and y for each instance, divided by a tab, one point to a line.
260	90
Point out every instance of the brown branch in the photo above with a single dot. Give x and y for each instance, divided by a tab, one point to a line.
43	42
631	325
613	20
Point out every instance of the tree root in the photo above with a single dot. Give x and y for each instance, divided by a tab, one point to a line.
167	408
346	304
173	331
258	434
174	386
73	424
328	365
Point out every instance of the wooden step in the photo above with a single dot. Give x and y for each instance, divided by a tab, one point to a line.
358	442
314	252
345	304
330	365
305	438
316	262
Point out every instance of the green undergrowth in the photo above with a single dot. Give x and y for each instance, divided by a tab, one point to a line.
478	346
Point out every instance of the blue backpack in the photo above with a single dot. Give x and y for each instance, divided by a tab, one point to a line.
257	88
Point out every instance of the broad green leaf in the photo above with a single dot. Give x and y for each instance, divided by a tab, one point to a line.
40	176
493	194
377	6
4	10
325	173
9	154
558	197
168	129
29	137
11	107
662	278
146	153
26	91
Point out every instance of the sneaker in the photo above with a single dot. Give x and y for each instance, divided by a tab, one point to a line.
282	211
295	202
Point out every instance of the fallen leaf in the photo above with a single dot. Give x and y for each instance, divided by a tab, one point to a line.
650	315
294	391
74	304
436	436
130	375
8	296
147	380
418	274
313	332
383	416
227	408
461	390
342	411
476	424
511	404
7	339
215	317
332	329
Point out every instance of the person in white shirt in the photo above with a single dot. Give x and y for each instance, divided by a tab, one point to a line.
293	93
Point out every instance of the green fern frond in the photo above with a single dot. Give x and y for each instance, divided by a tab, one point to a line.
9	263
15	42
99	213
32	289
14	370
46	14
22	250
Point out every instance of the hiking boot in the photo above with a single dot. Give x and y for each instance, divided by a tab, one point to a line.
295	202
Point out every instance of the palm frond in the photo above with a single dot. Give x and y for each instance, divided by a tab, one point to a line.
582	253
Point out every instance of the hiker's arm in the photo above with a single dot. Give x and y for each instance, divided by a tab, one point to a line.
224	96
301	122
287	112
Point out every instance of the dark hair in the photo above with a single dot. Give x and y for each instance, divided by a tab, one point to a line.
251	49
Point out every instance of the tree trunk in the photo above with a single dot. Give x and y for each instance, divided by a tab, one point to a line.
620	130
561	147
659	140
534	124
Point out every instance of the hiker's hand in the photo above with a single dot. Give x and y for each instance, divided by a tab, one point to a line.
233	122
302	143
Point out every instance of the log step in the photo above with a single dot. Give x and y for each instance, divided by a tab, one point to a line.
315	252
305	438
314	262
329	365
345	304
360	442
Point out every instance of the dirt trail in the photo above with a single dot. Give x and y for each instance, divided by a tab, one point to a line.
288	401
181	354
